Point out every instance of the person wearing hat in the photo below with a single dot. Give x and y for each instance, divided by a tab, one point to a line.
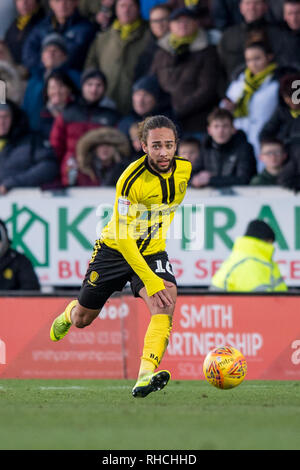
64	19
29	14
54	57
91	110
250	266
187	67
102	156
147	99
25	161
117	50
16	270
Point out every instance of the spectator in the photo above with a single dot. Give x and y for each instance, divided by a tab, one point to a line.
102	155
92	110
254	95
273	156
187	68
287	47
59	92
137	150
253	28
102	12
54	56
24	160
285	120
225	13
64	19
30	13
226	158
250	266
147	100
7	15
159	27
190	148
116	52
16	270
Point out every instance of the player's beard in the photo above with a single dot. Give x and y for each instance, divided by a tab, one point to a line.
157	168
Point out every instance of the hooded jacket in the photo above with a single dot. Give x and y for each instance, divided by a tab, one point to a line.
96	175
249	268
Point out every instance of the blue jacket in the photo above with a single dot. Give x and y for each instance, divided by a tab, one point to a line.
33	101
78	32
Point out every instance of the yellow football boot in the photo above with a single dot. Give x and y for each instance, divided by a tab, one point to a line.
151	383
61	324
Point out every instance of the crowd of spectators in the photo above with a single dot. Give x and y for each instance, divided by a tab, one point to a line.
81	74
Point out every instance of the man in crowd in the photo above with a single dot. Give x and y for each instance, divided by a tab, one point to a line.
16	270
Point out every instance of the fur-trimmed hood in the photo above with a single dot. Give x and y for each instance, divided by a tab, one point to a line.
103	135
201	42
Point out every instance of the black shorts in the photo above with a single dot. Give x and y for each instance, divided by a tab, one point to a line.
109	272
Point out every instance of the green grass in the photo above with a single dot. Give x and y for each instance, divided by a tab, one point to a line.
101	414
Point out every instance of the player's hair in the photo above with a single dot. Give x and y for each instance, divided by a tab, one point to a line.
155	122
261	44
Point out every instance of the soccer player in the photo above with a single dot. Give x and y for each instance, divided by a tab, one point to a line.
132	248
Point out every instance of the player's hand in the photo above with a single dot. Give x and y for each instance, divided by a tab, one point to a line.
3	189
163	297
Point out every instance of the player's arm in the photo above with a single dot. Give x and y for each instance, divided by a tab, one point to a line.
126	211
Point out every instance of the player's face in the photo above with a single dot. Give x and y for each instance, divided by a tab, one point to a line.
161	148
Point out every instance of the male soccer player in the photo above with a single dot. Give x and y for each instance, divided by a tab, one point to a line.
132	248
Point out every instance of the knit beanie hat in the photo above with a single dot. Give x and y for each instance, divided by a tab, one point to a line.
150	84
259	229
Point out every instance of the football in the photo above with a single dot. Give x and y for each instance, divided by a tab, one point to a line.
225	367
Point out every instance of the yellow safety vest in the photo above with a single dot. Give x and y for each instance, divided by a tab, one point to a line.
249	268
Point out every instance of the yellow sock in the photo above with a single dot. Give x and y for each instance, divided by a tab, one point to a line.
155	343
68	310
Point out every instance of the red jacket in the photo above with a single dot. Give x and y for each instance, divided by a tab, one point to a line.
75	121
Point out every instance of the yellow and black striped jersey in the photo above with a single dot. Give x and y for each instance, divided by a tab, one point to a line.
144	208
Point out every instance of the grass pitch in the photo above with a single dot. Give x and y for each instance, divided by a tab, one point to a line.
102	414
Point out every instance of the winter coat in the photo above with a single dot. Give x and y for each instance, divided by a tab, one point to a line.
225	13
249	268
264	179
261	107
285	127
17	273
25	161
78	33
286	45
190	78
118	59
77	119
231	164
90	174
15	38
33	101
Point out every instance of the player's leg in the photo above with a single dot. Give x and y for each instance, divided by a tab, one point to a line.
155	344
74	314
159	328
107	273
